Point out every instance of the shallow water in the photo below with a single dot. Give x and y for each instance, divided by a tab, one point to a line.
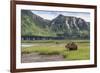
27	44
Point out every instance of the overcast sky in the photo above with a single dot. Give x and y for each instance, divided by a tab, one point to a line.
52	14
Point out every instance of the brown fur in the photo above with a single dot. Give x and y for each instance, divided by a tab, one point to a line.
71	46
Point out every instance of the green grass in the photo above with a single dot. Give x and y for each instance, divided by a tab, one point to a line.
44	49
52	48
55	41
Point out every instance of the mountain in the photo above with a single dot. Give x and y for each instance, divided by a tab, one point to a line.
32	24
68	23
61	26
68	26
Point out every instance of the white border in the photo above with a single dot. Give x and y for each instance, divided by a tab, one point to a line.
20	65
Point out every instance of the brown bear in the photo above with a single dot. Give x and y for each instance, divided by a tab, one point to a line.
71	46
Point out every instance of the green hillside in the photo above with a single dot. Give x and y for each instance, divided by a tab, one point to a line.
62	26
30	27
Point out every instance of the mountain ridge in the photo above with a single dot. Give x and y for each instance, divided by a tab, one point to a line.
60	26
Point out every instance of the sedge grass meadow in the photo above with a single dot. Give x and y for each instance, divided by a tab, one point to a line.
57	47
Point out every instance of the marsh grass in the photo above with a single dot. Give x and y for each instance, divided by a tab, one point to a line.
53	48
54	41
